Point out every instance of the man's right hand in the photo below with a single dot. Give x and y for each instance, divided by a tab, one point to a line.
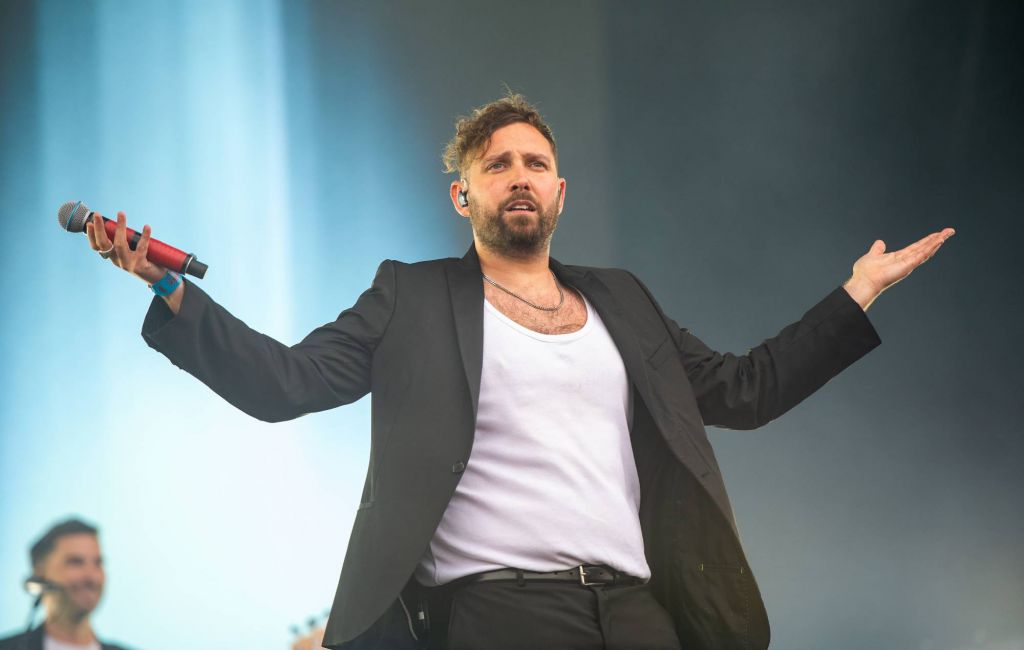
133	261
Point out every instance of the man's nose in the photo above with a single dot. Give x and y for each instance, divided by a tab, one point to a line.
95	575
520	179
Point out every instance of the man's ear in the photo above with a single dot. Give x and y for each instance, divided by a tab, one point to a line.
561	194
459	195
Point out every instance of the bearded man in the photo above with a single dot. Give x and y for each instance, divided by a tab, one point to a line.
540	476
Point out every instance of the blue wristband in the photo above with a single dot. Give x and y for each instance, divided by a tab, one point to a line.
166	285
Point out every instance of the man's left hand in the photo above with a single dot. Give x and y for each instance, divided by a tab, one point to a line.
878	270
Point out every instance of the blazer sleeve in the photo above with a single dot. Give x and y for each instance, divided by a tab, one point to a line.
750	390
263	377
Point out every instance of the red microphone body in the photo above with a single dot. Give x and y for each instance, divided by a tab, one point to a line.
158	252
73	216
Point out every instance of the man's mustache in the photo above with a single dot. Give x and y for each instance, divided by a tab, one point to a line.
519	196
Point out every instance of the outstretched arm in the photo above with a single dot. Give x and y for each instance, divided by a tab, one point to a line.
747	391
877	270
259	375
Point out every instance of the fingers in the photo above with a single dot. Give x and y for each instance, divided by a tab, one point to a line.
99	233
932	243
936	244
91	234
913	249
929	243
935	239
922	250
134	260
143	246
121	250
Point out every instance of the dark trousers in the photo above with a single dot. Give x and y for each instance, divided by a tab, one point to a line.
548	615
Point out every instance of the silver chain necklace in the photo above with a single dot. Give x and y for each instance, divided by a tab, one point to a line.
561	294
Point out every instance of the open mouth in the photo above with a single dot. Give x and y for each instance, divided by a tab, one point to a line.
521	207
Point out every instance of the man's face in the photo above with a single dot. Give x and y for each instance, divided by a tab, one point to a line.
76	565
515	194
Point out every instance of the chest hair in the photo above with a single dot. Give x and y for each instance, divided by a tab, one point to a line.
570	317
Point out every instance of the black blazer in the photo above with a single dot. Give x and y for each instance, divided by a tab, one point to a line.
34	641
414	340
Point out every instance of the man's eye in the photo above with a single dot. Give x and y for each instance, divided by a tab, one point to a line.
539	164
495	165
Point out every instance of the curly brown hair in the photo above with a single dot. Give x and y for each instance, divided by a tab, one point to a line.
473	133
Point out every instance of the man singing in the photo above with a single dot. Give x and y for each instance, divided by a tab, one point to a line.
540	476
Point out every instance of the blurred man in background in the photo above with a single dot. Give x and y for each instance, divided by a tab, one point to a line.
68	565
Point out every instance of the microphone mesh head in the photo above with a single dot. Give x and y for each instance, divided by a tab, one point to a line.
72	216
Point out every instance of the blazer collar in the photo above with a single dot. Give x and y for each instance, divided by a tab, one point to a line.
612	315
467	296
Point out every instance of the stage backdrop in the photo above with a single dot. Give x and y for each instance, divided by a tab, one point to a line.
737	157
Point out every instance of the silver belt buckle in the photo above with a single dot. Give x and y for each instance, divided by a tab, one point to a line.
583	577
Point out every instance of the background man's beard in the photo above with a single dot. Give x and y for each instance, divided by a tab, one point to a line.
515	235
71	607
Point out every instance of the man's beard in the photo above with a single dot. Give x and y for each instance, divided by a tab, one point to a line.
77	601
516	235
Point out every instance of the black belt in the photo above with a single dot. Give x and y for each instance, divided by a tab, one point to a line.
585	575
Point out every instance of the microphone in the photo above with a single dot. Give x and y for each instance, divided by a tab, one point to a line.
73	215
36	586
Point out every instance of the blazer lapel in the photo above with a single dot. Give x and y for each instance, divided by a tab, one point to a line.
614	320
622	333
467	294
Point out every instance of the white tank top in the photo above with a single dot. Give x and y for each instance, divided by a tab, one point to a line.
551	482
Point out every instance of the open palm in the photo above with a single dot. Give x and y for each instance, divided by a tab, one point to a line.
877	270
